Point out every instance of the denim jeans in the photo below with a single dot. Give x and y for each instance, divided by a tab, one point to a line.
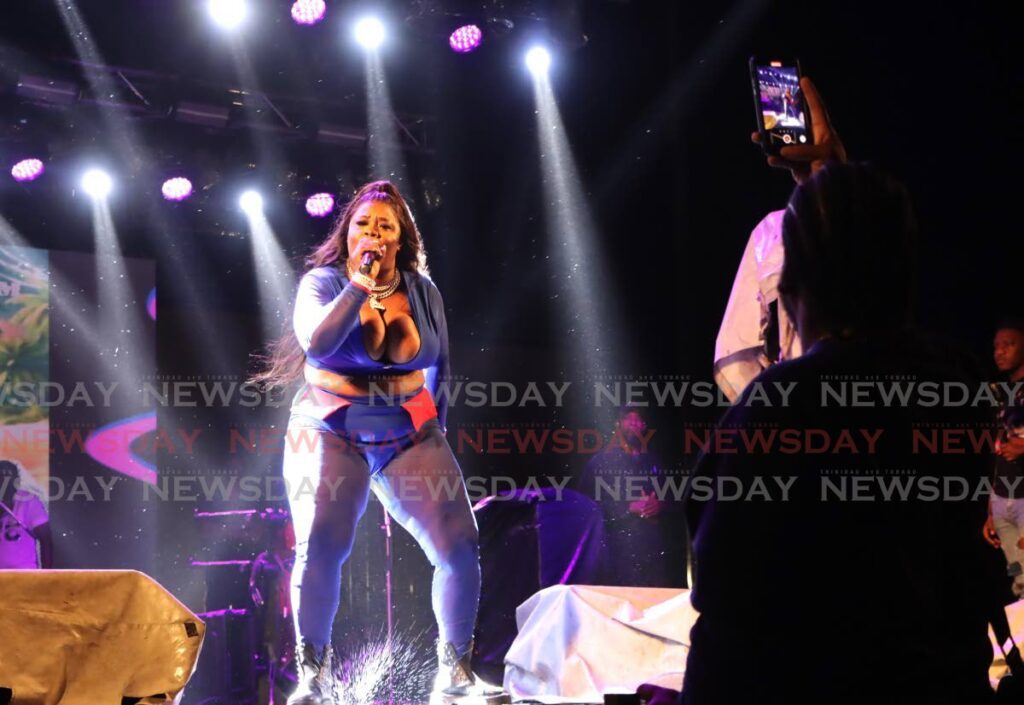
1008	521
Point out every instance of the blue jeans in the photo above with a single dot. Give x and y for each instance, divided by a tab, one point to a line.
1008	521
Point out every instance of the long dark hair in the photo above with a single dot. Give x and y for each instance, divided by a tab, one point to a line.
850	241
283	361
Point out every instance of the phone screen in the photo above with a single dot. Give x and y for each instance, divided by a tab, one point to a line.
781	105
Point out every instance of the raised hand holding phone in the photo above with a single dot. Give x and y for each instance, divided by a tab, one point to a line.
802	160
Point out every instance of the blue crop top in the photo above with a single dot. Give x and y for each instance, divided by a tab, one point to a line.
326	322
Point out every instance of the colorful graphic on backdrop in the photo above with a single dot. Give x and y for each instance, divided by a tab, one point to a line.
24	358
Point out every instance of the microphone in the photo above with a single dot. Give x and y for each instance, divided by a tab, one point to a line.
367	263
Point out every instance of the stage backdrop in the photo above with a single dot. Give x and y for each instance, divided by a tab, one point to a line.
76	348
24	359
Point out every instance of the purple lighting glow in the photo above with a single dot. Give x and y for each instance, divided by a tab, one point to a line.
177	189
465	39
27	170
308	11
320	204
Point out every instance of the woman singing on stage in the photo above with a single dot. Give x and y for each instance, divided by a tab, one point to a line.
371	342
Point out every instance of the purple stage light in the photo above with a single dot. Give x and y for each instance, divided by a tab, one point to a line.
320	204
465	39
308	11
177	189
27	170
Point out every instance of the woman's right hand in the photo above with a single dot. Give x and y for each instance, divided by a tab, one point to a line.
367	243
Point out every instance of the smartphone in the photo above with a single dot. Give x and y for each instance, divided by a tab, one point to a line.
782	115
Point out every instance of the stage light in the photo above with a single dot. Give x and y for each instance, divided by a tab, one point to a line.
251	202
369	32
27	170
177	189
308	12
538	60
97	183
320	204
465	39
227	13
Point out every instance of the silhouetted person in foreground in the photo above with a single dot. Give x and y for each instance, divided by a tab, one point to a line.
871	591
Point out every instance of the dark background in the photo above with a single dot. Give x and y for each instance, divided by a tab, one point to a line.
122	532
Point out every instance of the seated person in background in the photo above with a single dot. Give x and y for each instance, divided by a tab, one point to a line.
844	596
25	538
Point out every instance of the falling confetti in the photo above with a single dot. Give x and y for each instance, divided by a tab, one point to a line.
362	673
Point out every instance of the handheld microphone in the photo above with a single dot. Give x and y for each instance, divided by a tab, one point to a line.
367	263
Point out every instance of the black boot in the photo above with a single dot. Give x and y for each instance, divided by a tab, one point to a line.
316	679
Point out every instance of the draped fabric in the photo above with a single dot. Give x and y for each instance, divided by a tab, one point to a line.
87	637
577	642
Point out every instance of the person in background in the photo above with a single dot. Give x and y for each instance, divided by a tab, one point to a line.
1005	525
641	545
26	542
756	332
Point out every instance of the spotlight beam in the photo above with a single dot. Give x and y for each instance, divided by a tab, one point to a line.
130	152
593	322
275	278
383	139
270	155
121	313
9	237
100	82
679	104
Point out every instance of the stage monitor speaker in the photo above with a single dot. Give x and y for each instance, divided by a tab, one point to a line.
81	637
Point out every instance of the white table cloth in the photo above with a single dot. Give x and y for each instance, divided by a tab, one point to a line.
576	642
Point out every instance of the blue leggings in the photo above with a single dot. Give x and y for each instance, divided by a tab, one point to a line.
414	475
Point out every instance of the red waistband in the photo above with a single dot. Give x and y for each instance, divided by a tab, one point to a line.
319	403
